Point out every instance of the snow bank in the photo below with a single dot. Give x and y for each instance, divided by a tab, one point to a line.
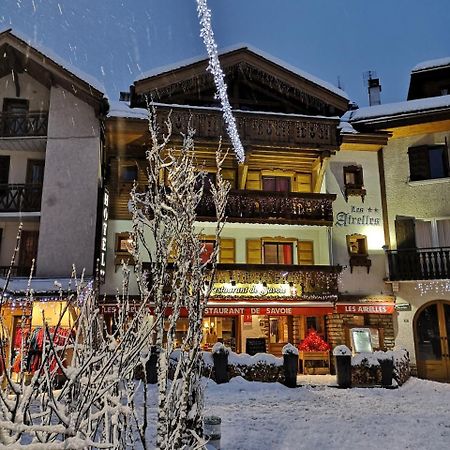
289	349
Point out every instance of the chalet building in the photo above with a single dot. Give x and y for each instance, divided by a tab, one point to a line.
278	245
415	183
50	174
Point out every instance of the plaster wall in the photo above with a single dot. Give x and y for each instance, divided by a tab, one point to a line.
30	89
355	216
69	199
18	164
420	199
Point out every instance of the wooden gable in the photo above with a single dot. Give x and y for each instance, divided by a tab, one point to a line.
255	83
18	56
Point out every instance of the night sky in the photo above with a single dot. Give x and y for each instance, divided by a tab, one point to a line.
116	40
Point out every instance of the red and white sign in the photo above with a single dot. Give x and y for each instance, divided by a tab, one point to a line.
359	308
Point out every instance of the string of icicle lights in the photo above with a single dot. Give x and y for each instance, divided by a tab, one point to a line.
435	287
207	34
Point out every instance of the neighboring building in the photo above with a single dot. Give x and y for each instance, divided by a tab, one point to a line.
277	236
416	178
50	171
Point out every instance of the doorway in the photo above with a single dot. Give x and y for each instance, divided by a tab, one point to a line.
431	334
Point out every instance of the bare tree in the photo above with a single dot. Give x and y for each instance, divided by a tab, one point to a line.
164	226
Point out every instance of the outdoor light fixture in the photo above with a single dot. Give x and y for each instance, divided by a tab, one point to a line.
264	284
233	282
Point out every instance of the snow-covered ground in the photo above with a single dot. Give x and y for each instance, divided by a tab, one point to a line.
270	416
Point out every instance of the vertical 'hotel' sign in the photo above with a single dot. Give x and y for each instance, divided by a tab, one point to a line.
103	236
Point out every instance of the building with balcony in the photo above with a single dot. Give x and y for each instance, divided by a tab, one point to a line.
50	170
415	177
277	276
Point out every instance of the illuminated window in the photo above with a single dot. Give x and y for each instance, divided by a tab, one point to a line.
278	252
208	248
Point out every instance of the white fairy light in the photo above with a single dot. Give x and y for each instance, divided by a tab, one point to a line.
206	32
435	287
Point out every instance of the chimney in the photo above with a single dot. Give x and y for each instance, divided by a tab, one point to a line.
373	87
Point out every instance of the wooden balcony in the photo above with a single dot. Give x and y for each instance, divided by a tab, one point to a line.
272	207
419	264
23	124
20	198
311	283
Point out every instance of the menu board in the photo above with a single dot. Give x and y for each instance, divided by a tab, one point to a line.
361	340
255	345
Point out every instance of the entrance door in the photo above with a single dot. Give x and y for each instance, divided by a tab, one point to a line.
280	333
432	331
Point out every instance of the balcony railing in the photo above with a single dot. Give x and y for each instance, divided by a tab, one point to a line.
419	264
20	197
16	271
313	283
23	124
272	207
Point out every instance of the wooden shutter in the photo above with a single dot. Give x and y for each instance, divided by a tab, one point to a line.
254	248
405	232
419	163
230	175
253	180
305	250
302	182
227	251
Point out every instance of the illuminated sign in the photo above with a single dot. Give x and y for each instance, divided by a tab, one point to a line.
233	290
103	236
358	216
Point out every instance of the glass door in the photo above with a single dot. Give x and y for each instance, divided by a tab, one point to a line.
432	328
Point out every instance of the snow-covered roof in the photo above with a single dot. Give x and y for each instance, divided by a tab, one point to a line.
274	60
122	109
89	79
431	64
401	109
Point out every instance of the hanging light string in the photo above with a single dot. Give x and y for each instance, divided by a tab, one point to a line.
206	32
435	287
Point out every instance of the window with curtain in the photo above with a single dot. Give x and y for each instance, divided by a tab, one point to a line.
424	234
278	252
443	232
208	248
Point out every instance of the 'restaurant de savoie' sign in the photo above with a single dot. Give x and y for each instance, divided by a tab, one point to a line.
358	216
255	290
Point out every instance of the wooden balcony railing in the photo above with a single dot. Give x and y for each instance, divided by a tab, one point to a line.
16	271
20	197
314	283
272	207
419	264
23	124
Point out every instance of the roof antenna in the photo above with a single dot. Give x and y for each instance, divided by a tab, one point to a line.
373	87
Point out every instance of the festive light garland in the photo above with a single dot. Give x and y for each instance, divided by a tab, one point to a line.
206	32
436	287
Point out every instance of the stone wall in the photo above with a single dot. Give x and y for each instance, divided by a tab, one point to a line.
337	325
